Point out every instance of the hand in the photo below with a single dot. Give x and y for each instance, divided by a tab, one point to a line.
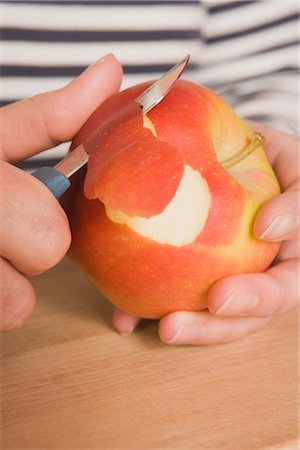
241	304
35	232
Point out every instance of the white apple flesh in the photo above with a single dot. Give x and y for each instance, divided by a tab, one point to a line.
181	221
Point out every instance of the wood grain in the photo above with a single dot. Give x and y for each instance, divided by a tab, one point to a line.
69	381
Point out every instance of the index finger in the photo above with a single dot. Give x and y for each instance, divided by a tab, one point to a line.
45	120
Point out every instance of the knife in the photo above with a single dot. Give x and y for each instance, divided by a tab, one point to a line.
57	178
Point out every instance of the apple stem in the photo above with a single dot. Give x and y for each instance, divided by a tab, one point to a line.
257	141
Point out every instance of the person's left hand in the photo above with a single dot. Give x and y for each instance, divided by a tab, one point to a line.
241	304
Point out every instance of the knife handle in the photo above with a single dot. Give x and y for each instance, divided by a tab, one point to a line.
55	181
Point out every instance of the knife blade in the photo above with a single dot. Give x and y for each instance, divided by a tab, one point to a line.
57	178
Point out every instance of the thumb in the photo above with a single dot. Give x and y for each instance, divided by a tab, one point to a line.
48	119
279	219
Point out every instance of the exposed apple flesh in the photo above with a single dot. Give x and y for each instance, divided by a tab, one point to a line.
181	221
154	236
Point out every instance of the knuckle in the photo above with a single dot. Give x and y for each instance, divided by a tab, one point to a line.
54	239
43	116
3	175
16	305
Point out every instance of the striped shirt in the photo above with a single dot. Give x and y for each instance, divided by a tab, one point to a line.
247	51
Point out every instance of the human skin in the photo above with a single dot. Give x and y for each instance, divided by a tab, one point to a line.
35	233
32	243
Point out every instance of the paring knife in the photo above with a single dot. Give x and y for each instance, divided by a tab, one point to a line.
57	178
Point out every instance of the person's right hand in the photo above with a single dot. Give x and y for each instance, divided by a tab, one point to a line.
35	232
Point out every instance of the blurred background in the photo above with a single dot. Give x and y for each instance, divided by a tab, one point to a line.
245	50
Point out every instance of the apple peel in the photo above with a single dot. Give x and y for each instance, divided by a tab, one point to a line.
134	182
135	173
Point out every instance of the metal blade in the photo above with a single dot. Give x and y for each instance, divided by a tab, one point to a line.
73	161
158	90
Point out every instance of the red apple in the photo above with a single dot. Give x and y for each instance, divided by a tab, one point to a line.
167	205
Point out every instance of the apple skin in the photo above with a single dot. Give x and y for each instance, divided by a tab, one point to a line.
194	127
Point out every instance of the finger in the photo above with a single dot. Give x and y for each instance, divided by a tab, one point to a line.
17	297
35	232
123	322
279	219
47	119
202	328
288	250
257	295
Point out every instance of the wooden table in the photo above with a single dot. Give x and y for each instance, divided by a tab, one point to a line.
71	382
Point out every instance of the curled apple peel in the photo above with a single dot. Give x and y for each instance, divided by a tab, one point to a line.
138	159
182	219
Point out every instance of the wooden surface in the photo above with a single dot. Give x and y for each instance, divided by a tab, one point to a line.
71	382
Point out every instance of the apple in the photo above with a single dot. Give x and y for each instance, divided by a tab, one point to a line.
167	203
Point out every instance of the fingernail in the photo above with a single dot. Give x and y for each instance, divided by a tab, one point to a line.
108	55
240	302
126	332
102	59
186	333
281	227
